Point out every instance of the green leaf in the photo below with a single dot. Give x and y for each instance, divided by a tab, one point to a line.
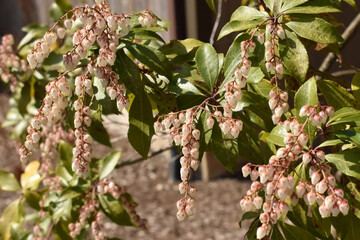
255	75
237	26
273	5
207	62
331	143
245	13
10	214
349	135
59	8
335	95
114	210
151	57
352	3
355	85
108	163
211	5
33	199
142	34
225	149
276	234
315	7
294	56
31	178
277	135
291	4
141	124
97	130
33	31
65	154
347	227
247	216
129	73
315	29
346	162
296	233
8	181
70	193
345	115
62	210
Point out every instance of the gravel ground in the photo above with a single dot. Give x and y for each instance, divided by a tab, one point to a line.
217	210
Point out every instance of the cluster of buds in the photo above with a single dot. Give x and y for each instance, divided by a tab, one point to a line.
83	142
183	133
317	118
38	232
105	186
278	104
116	91
273	62
279	184
54	184
147	19
96	227
86	211
10	63
51	137
229	126
49	113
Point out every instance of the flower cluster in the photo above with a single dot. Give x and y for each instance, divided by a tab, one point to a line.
116	91
273	62
183	133
10	64
278	104
96	227
49	113
86	211
106	186
317	118
278	180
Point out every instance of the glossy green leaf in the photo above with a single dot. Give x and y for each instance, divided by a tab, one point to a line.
129	73
114	210
151	57
32	199
247	216
62	210
295	233
345	115
335	95
141	124
274	5
294	56
245	13
207	62
141	34
277	135
291	4
70	193
18	232
314	7
276	234
8	181
108	163
346	162
333	142
349	135
237	26
315	29
355	85
33	31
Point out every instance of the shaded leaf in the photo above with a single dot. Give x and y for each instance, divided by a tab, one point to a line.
291	4
345	115
315	7
248	215
355	85
141	124
237	26
108	163
245	13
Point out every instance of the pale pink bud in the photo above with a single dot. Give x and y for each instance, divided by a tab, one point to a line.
300	190
320	155
254	175
246	170
344	207
281	192
306	158
324	211
281	33
315	178
330	111
182	188
261	232
261	38
258	202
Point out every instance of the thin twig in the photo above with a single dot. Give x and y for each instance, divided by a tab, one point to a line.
349	31
130	162
343	73
217	21
49	231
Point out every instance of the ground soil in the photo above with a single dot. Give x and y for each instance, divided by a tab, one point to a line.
217	210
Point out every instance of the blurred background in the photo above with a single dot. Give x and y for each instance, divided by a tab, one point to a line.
151	182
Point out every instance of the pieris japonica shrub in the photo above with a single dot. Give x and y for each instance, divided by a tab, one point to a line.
297	128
